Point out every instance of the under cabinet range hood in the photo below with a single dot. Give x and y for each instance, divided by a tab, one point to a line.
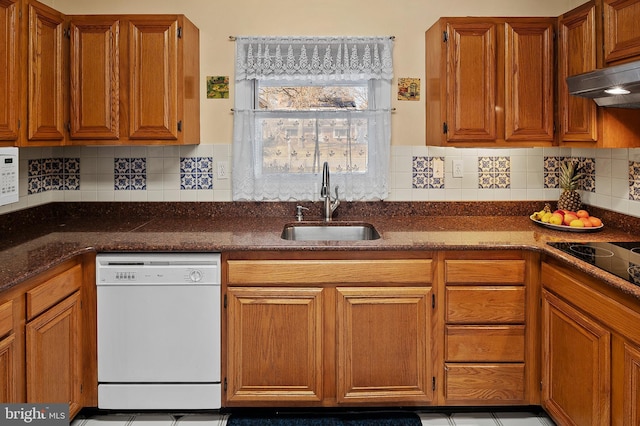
617	86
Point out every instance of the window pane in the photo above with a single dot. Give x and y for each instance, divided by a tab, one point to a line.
312	97
301	144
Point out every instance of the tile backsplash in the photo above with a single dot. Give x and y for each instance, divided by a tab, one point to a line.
417	173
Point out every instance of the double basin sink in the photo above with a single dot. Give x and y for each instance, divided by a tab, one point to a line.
329	231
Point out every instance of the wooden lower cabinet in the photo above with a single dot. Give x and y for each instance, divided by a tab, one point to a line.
489	320
54	371
47	337
9	381
274	344
576	367
383	344
321	330
591	350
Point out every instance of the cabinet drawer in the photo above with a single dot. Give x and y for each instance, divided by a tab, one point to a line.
329	271
485	344
6	318
485	305
53	290
484	271
484	382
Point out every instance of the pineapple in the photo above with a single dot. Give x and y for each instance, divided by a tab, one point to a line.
569	178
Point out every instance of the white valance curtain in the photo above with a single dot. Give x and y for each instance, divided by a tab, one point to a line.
311	59
322	58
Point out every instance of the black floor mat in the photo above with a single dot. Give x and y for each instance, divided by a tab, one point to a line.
326	419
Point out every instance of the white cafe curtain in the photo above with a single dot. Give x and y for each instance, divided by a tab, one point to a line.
312	59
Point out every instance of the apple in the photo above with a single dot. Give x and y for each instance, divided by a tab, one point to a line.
568	218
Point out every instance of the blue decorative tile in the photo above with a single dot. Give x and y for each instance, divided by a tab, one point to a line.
71	166
634	180
420	181
138	166
196	173
71	183
494	172
187	165
35	167
130	174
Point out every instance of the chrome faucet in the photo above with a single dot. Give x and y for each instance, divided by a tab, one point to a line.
325	193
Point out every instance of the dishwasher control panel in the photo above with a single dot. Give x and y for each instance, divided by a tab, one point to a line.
158	269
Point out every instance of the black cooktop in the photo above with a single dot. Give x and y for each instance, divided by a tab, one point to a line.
621	259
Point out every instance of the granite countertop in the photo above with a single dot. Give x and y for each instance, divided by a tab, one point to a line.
26	250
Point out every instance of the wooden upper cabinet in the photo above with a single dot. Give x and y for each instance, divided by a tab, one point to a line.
153	79
529	81
471	77
46	76
490	82
134	80
10	85
95	78
576	55
621	31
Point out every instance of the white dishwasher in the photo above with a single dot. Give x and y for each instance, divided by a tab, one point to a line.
158	330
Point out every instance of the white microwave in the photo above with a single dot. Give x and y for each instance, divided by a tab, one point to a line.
8	175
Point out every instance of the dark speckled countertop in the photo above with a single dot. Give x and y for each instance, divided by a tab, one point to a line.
35	239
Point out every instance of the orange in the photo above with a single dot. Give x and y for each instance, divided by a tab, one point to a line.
595	221
582	213
586	221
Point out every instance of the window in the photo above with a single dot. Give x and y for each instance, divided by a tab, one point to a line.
326	99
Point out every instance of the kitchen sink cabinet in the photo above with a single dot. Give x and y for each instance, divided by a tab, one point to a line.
328	330
590	347
47	337
489	319
134	80
9	63
490	82
274	344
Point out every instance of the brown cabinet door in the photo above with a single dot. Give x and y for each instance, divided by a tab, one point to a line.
576	55
576	366
631	387
621	31
472	79
8	379
95	78
47	71
274	345
53	346
529	85
10	81
376	327
153	79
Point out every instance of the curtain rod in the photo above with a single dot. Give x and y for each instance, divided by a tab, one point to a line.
233	38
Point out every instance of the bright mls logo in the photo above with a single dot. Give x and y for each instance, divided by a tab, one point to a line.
34	414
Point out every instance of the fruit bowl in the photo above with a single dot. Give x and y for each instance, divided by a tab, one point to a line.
565	228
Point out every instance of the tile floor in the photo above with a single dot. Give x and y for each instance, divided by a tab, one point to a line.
214	419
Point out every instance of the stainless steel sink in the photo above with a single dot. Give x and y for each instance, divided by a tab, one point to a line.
329	232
